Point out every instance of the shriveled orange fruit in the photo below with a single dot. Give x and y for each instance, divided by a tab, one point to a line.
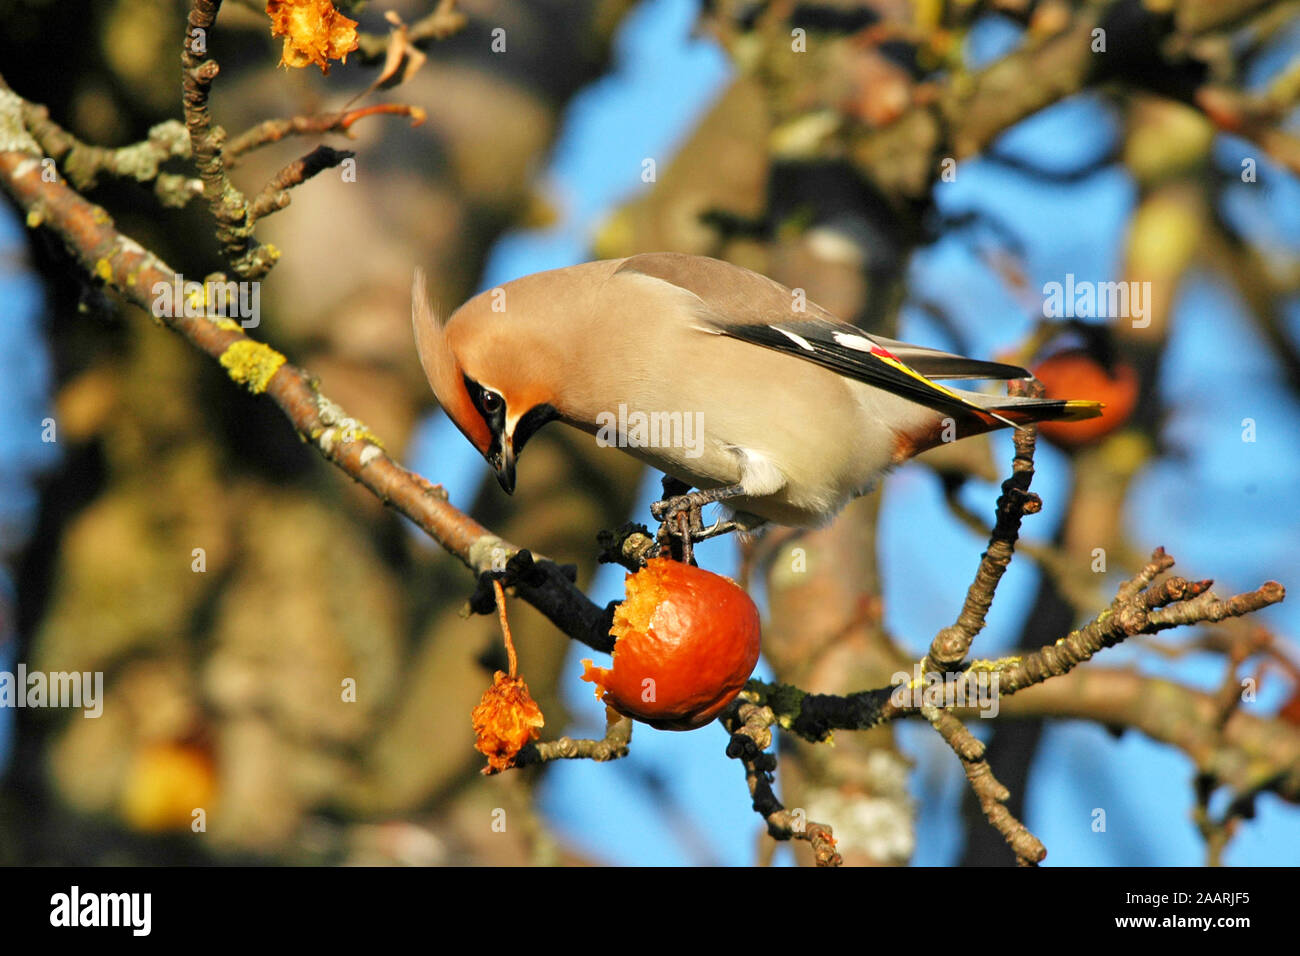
1074	373
505	721
685	642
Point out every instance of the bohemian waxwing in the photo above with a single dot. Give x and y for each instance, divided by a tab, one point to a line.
711	373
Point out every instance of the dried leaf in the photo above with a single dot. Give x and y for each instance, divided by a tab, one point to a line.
401	54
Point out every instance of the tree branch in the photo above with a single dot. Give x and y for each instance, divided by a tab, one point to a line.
1139	608
131	270
991	794
249	258
275	194
443	21
274	130
84	164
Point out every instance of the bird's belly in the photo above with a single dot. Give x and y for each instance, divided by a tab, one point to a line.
803	445
809	498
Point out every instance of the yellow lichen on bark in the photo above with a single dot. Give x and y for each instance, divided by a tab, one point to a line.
252	364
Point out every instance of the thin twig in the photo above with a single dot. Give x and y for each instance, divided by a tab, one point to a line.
275	194
951	645
613	746
991	794
505	628
750	727
273	130
441	23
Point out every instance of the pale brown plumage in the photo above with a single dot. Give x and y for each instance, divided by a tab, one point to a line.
801	410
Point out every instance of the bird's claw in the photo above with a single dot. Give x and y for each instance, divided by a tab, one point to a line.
667	507
681	523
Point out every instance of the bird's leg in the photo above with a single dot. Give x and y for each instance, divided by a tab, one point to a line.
683	530
679	516
692	503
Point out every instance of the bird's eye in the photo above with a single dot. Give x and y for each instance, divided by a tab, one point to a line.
491	402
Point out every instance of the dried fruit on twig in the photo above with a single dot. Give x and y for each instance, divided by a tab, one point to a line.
686	640
505	720
1075	374
313	31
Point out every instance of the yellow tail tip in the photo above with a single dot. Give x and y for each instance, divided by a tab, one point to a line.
1078	409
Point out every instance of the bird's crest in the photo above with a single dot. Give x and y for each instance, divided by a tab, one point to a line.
444	373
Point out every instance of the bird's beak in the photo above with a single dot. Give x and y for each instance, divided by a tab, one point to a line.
503	463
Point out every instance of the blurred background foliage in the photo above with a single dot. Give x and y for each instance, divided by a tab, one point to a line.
822	166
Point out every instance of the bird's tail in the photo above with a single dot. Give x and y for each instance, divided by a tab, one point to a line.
985	413
1016	410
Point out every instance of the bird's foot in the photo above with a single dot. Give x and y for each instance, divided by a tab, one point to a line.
681	523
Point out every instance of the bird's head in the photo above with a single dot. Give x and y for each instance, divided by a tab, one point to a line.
479	368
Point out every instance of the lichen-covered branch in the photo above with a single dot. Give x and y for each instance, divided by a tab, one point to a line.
249	258
84	165
951	645
1139	608
1173	602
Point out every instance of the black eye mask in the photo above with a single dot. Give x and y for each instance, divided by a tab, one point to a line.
492	409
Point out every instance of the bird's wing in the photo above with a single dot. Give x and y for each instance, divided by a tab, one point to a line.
847	351
745	305
934	363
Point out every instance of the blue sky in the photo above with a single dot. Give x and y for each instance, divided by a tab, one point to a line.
1224	508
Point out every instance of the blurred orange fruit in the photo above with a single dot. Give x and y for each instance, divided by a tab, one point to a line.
167	782
1290	711
1075	374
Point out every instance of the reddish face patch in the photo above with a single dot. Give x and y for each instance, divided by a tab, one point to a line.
460	409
